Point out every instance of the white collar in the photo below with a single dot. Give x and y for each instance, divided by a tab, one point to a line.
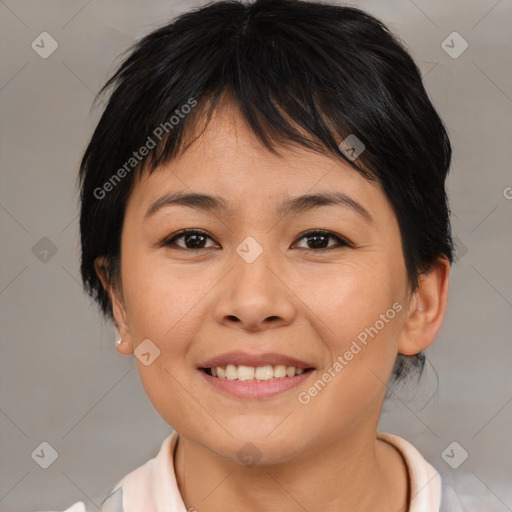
153	487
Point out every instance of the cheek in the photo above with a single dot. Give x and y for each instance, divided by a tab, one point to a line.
165	304
351	299
147	288
362	352
358	319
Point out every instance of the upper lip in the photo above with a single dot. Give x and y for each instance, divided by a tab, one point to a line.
243	358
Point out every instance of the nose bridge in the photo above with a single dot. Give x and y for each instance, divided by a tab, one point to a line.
255	269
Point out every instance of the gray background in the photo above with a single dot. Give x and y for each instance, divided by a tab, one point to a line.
61	379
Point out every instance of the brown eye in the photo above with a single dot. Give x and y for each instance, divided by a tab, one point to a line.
193	239
319	238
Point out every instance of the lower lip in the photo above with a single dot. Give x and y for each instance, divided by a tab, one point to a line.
256	388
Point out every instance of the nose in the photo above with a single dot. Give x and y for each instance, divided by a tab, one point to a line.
255	296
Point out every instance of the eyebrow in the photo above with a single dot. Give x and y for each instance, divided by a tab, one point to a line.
287	207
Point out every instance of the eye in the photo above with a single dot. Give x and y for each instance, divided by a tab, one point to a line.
319	237
194	239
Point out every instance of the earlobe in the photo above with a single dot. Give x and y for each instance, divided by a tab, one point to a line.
123	347
126	346
426	310
118	308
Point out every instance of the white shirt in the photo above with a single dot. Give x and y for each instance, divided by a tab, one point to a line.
152	487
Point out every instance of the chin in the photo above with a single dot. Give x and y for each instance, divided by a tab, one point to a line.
246	449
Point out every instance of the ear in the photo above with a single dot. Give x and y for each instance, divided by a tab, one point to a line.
426	310
118	307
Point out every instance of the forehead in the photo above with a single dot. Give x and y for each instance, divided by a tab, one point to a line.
228	160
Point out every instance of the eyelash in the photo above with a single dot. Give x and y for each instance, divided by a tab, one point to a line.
341	241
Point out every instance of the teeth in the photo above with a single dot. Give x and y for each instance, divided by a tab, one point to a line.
231	372
245	372
280	371
267	372
264	372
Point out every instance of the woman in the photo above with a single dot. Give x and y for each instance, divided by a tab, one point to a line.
264	218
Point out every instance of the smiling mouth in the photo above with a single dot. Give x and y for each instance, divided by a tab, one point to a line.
249	373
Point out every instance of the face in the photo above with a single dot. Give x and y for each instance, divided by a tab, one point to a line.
256	280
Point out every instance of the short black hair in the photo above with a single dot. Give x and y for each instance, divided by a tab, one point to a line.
301	73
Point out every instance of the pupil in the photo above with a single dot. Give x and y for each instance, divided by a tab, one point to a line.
316	237
194	236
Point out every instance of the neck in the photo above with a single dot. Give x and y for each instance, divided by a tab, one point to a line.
356	472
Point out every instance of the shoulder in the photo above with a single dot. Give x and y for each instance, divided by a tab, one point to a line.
112	503
464	491
424	480
79	506
441	491
141	488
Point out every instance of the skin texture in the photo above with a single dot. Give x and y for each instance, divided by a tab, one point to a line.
294	299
